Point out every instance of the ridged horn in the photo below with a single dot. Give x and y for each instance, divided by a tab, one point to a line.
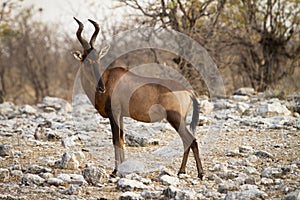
82	41
94	36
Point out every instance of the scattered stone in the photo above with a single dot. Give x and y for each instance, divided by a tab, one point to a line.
131	166
45	124
222	104
72	179
52	136
242	107
266	181
77	179
252	158
235	163
186	193
130	196
7	108
55	181
36	169
249	174
48	109
240	180
27	109
218	180
169	180
134	176
135	139
55	103
5	150
175	193
227	174
248	187
151	194
69	141
278	145
253	180
231	152
94	175
244	179
280	122
273	109
293	195
215	178
274	172
219	167
245	149
32	179
125	184
205	107
227	186
46	175
17	174
263	154
69	161
72	190
167	172
212	194
245	91
271	172
72	160
41	130
65	177
239	98
250	171
212	177
247	194
183	176
170	192
114	179
11	197
4	175
203	120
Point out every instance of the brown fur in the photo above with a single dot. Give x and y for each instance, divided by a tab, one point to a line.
121	93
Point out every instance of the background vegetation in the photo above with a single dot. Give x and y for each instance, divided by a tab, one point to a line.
255	43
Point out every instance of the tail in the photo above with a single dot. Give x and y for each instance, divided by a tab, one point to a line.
195	117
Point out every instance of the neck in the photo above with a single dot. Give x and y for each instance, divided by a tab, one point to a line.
89	87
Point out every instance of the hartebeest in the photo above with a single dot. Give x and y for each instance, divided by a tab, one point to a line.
121	93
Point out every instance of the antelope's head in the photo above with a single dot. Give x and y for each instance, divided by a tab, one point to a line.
89	57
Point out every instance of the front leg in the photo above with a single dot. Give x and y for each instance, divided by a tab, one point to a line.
118	141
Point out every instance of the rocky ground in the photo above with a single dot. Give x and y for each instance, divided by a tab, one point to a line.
250	149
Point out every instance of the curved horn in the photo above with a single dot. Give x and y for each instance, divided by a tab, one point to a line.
82	41
94	36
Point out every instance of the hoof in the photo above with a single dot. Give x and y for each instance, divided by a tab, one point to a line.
113	174
200	176
181	173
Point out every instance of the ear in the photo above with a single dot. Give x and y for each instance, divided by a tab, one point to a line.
104	51
77	55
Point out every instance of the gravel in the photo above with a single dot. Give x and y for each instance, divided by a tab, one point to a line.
249	148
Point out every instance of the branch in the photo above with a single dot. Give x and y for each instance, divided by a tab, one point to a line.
137	6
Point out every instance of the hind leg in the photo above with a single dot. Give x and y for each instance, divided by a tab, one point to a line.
187	138
184	161
195	149
194	146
